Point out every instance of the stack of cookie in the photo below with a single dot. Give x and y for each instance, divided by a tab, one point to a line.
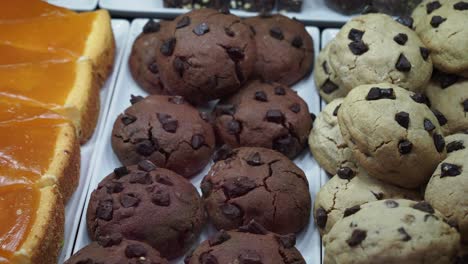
392	134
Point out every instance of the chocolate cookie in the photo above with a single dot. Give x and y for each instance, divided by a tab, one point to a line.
265	115
166	130
209	55
147	204
249	244
259	184
115	250
285	50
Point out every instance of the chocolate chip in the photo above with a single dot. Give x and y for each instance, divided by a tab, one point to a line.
351	210
167	47
185	21
229	32
225	109
325	67
120	172
164	179
329	87
223	153
250	257
335	112
297	42
206	187
110	240
312	117
236	54
129	200
454	146
358	47
145	148
135	99
201	29
261	96
127	119
179	66
428	216
378	195
465	105
355	34
287	241
424	53
197	141
406	236
207	258
321	217
141	178
235	187
135	251
421	99
219	238
431	6
280	90
153	68
391	203
231	211
234	127
105	210
440	117
151	27
376	93
403	64
146	165
445	80
406	21
161	198
439	142
114	187
461	6
177	99
436	21
274	116
284	144
424	206
168	123
401	38
405	147
295	108
276	33
449	170
253	228
402	119
254	159
345	173
206	116
357	237
428	125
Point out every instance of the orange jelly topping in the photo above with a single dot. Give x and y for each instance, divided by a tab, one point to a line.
24	9
17	55
66	33
18	204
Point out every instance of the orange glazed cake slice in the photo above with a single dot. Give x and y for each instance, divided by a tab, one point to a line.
25	9
68	87
85	34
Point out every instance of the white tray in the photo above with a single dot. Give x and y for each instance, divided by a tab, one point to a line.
104	159
74	207
313	11
78	5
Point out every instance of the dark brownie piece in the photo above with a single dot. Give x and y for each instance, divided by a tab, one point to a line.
166	130
259	184
258	5
147	204
113	249
208	58
178	3
267	115
347	7
290	5
284	48
249	244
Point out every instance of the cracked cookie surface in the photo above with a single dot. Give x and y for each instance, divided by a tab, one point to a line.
447	190
113	249
394	136
166	130
374	48
326	142
267	115
346	192
249	244
285	52
143	65
147	204
393	232
449	95
207	55
257	184
441	25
